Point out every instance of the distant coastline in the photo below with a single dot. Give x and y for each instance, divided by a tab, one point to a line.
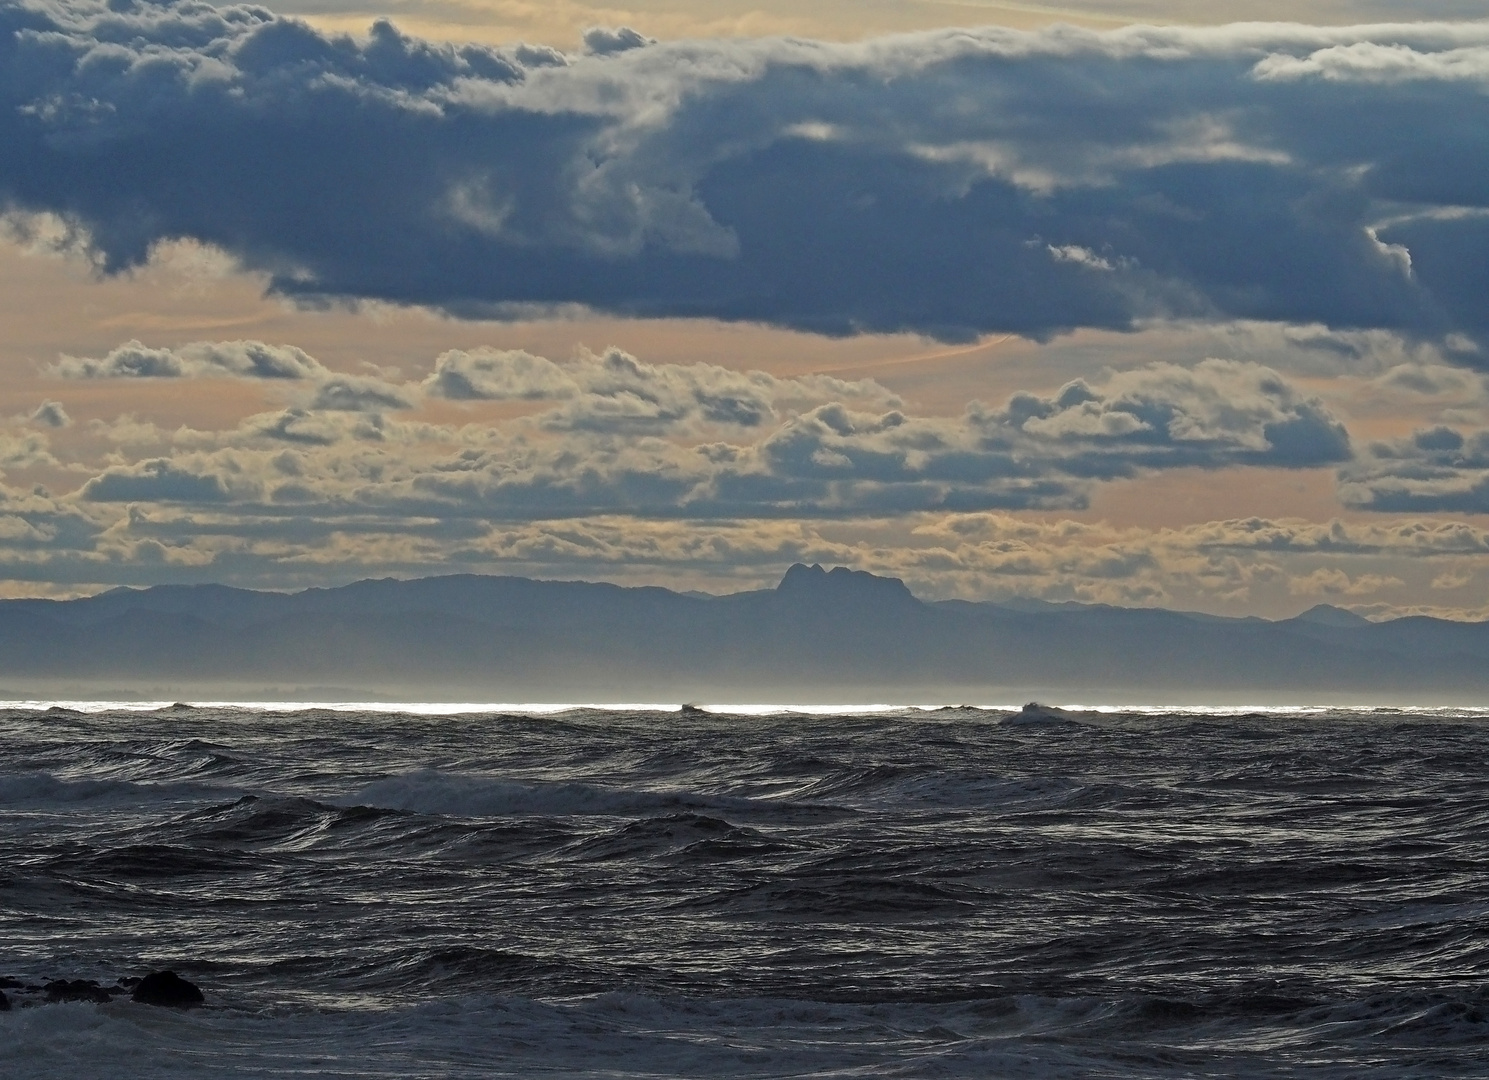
819	638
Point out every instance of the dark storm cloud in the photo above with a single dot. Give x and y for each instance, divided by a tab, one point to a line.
952	183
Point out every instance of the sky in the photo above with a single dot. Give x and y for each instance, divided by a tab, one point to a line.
1142	303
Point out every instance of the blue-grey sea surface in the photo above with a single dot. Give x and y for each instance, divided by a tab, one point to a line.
657	893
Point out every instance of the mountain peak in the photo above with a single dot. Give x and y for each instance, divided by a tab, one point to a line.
840	582
1329	615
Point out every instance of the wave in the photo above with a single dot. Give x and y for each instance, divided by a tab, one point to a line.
626	1035
258	820
455	794
41	790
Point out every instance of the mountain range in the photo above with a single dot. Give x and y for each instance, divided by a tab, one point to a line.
839	635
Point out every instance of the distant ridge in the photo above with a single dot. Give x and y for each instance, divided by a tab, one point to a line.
821	634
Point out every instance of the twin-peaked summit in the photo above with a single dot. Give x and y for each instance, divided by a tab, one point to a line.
840	584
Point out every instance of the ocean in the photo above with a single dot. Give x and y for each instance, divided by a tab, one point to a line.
494	891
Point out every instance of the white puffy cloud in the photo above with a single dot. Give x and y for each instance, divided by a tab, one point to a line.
328	392
607	433
1331	581
244	359
616	393
1434	381
161	480
1225	408
1251	563
350	393
1387	63
23	450
1439	469
498	375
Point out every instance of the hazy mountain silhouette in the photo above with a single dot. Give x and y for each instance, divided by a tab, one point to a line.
842	634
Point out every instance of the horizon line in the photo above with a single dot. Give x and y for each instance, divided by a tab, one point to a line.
437	709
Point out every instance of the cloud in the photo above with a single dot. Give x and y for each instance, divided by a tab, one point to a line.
1439	469
1410	538
243	359
1377	63
1242	561
604	41
498	375
25	450
977	556
950	183
604	465
156	480
838	457
330	391
51	414
349	393
308	427
1434	381
1217	413
1045	451
608	433
616	393
1328	581
306	495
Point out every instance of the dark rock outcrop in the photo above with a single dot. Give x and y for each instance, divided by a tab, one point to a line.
4	1002
76	990
166	988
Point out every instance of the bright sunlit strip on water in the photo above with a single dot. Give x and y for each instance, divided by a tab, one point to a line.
449	708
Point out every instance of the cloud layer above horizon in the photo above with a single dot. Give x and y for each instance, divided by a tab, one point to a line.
604	464
950	183
607	434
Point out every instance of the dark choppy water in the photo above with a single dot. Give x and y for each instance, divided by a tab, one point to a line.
647	893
